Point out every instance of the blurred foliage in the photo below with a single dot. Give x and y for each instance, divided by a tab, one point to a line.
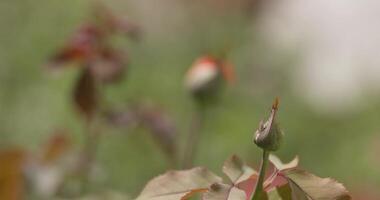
32	103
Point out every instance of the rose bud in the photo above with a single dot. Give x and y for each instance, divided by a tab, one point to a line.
206	77
269	135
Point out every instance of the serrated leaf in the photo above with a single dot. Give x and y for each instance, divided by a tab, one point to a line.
218	191
176	185
283	166
236	170
306	186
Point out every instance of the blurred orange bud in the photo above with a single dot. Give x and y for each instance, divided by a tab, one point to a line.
203	72
206	76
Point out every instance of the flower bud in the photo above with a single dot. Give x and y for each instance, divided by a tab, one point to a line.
269	136
206	76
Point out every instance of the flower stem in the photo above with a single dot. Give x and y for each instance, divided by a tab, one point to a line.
193	138
259	190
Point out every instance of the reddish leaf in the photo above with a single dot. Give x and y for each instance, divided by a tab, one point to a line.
276	180
248	185
241	175
108	66
81	47
110	22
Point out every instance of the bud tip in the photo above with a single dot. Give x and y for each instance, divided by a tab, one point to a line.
276	103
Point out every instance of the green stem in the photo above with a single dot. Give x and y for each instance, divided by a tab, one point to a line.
87	158
193	138
259	192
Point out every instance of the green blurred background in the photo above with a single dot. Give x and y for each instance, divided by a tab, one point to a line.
343	144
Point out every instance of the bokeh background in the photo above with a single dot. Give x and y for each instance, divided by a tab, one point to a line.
321	58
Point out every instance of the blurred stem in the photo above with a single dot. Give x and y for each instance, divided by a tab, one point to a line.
91	142
259	192
88	157
193	137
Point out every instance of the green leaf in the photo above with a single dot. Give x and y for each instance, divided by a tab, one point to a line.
283	166
236	170
306	186
280	193
176	185
218	191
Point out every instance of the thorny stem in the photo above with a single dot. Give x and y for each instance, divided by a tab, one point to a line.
193	138
259	192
